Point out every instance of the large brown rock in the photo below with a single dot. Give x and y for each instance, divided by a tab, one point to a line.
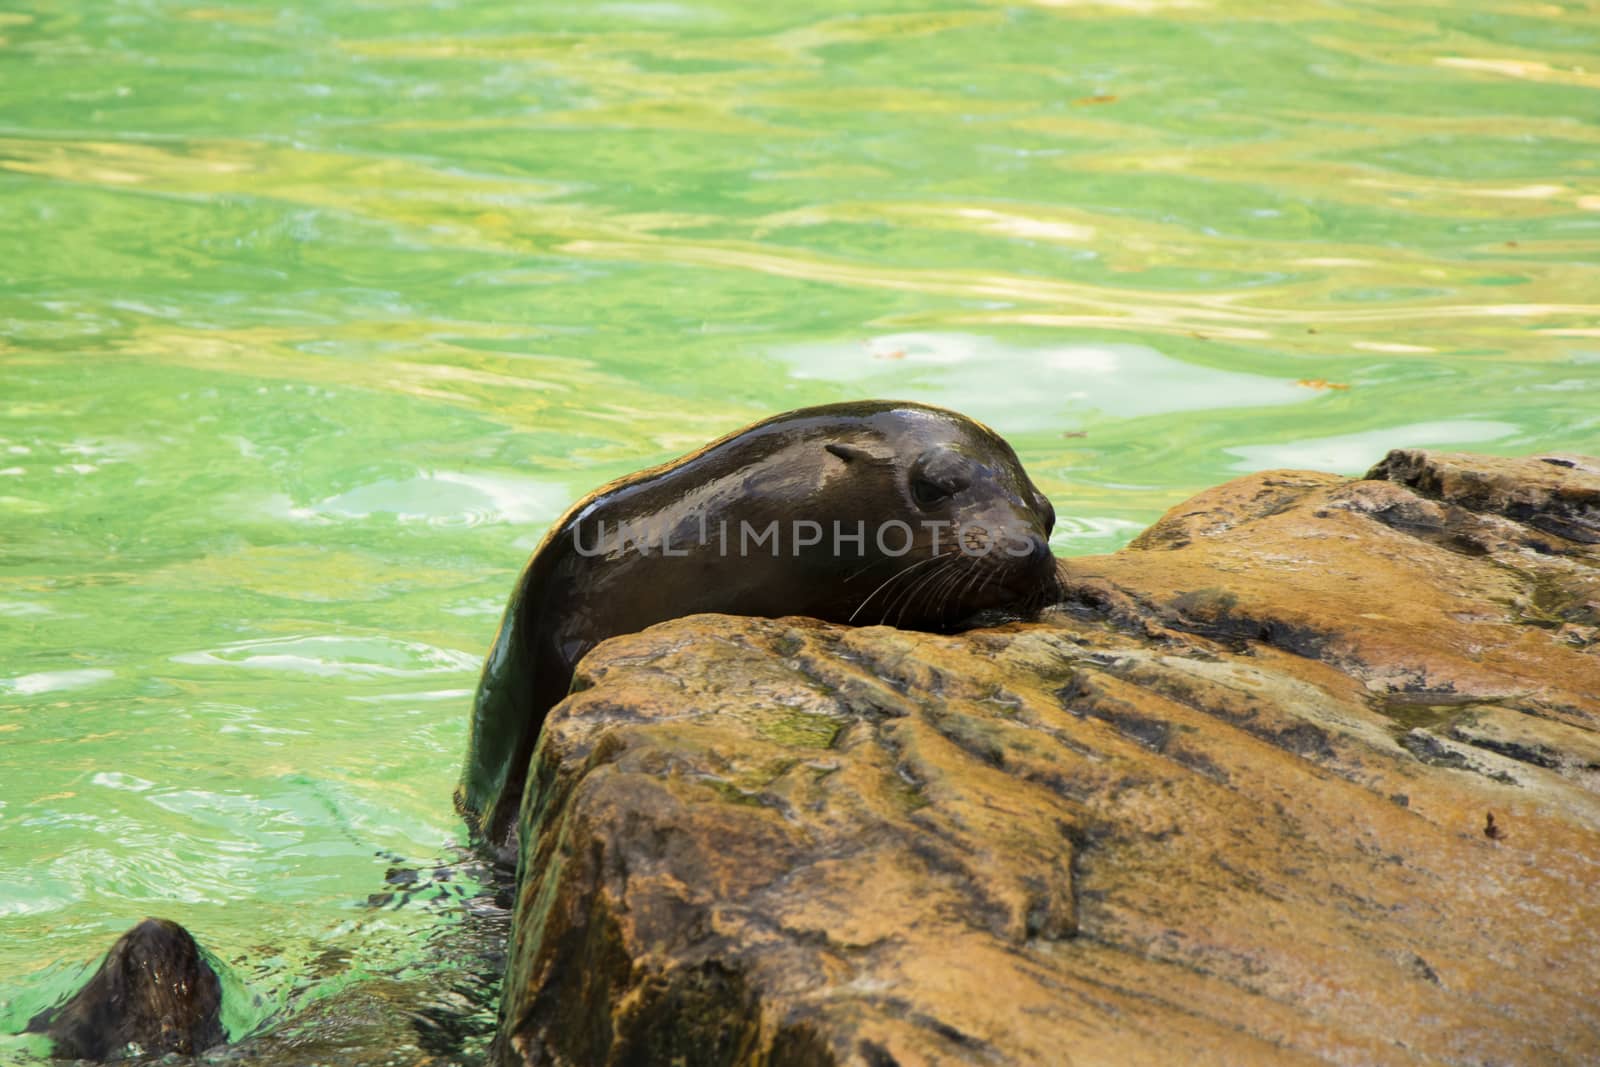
1306	774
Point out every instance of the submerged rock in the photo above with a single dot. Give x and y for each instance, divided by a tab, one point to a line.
155	993
1308	773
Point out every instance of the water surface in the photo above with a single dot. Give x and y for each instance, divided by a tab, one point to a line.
314	317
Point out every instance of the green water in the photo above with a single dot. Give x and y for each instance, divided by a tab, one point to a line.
314	317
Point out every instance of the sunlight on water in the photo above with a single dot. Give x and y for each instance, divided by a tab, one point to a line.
335	657
1358	451
998	383
316	316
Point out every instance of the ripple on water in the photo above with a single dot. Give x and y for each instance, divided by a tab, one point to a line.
1000	383
425	696
1075	534
1353	453
32	895
250	823
118	780
53	681
449	499
489	606
335	657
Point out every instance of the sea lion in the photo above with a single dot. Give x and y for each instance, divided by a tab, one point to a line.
867	512
155	991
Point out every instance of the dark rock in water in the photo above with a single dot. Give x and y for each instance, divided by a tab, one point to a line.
1308	773
155	993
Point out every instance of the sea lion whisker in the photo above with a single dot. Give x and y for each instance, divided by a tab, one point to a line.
948	579
916	548
907	596
952	591
931	588
897	575
959	590
935	581
1041	597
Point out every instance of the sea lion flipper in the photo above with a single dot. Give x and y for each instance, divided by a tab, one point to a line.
500	709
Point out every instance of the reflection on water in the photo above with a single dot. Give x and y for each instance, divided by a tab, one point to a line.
52	681
1034	389
315	316
336	657
1353	453
445	498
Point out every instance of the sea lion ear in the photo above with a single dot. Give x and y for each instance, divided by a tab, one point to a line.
848	453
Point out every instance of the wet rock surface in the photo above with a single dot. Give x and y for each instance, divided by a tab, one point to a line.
1308	773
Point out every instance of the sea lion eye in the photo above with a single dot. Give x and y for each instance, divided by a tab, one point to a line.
927	492
938	476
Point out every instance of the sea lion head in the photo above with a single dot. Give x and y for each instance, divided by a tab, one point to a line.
155	993
972	529
863	513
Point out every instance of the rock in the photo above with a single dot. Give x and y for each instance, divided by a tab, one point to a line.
1308	773
155	993
1539	490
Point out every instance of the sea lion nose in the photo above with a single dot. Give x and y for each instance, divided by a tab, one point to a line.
1039	551
1047	512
